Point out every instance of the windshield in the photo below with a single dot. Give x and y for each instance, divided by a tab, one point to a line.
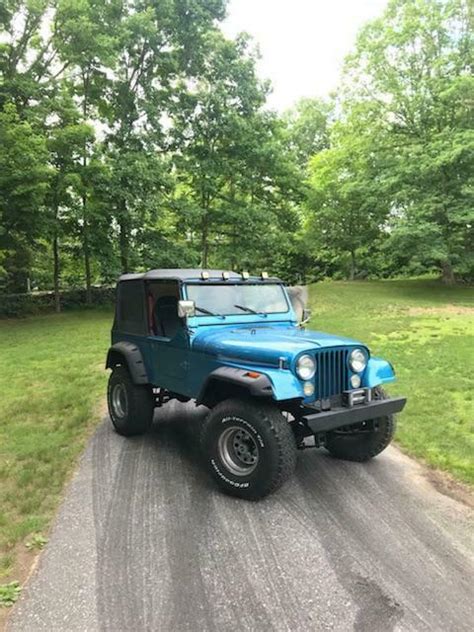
227	300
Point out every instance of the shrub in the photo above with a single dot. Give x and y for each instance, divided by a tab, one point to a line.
17	305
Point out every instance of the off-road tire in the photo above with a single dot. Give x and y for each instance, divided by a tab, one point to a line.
137	406
363	446
270	432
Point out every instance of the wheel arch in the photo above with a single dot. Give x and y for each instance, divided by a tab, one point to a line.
231	382
129	355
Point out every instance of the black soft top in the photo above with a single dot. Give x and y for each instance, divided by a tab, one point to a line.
188	274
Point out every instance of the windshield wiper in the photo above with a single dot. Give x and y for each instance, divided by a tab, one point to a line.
208	312
249	310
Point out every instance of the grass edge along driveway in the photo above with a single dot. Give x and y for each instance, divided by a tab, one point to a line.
52	381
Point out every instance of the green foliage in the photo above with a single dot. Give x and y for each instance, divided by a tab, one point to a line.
9	593
234	169
37	542
402	155
308	128
346	208
23	185
20	305
135	134
159	47
26	52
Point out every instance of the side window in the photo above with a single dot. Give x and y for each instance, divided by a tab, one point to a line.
162	300
131	312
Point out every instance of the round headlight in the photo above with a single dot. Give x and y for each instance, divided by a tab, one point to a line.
355	381
357	360
308	389
306	367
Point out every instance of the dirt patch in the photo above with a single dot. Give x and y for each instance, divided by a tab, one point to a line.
443	482
453	310
99	413
449	486
25	563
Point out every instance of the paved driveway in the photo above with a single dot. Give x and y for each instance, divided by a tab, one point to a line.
144	542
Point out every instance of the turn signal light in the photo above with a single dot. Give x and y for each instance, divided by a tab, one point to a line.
252	374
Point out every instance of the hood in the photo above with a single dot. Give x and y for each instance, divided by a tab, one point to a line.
264	344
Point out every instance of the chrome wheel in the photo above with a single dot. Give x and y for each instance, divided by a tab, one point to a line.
238	451
119	400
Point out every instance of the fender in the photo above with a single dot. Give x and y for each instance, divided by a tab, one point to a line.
378	371
275	383
129	354
285	384
229	379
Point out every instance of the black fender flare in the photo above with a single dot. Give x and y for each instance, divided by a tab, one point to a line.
130	355
233	377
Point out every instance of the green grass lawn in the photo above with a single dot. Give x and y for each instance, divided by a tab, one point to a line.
52	379
52	382
427	331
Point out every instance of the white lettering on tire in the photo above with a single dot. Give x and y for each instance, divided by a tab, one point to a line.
227	480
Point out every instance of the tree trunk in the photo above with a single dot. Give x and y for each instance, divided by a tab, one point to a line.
87	259
352	270
304	272
124	246
447	273
205	241
85	228
234	263
56	263
57	298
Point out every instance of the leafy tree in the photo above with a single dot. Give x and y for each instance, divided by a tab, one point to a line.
134	134
309	128
414	67
85	33
160	45
237	180
346	203
213	128
24	181
26	61
27	53
67	136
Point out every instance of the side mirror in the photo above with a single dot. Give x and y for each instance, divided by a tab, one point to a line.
186	308
306	317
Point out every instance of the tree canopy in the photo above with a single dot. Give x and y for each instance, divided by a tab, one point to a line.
402	151
134	134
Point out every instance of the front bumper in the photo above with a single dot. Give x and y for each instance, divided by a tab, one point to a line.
326	420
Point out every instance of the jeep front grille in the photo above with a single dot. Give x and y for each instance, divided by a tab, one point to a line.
332	375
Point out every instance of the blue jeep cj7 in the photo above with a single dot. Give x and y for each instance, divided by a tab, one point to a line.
232	342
